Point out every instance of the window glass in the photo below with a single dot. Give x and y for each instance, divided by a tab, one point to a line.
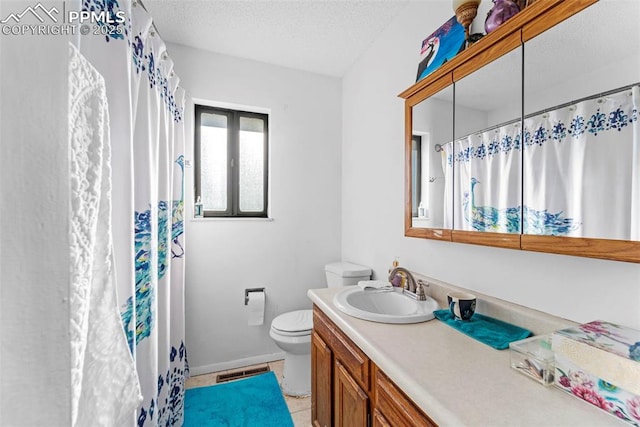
251	165
213	158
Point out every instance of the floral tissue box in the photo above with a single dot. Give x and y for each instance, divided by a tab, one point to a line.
599	362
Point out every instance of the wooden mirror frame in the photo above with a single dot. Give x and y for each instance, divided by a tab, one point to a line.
529	23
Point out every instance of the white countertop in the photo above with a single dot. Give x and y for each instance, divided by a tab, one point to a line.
457	380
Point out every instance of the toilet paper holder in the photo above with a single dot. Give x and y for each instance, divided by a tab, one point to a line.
246	293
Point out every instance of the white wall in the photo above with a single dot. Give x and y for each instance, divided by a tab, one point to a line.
286	255
34	254
579	289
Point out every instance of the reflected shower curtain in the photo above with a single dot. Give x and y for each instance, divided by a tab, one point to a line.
147	135
487	181
579	159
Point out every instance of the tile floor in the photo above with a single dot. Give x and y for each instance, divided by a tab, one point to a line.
299	407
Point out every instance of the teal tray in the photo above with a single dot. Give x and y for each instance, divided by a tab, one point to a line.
487	330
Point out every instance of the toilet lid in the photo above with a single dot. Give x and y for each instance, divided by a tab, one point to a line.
294	321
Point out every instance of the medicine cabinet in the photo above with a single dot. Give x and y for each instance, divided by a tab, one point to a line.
525	140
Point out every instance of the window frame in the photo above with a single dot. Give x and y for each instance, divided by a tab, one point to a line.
416	173
233	174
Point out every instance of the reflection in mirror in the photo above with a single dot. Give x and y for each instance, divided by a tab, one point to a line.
487	156
431	145
489	96
594	51
581	176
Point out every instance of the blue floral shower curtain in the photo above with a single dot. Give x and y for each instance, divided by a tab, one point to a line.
487	183
581	169
146	108
579	175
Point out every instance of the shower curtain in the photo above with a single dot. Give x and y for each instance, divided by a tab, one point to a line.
146	109
487	181
580	172
581	169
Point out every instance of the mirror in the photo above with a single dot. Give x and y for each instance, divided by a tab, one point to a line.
431	177
543	153
580	161
487	149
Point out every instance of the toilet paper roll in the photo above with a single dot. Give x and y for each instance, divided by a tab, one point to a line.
255	308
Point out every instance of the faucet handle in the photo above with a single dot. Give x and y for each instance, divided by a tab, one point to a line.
420	295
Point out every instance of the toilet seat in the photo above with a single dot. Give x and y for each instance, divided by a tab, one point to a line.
293	324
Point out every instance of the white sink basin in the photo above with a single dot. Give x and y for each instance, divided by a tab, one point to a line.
384	306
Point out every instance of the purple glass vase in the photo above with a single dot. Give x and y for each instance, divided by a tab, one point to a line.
501	11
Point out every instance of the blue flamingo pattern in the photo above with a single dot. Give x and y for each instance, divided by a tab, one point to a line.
177	216
489	218
542	222
145	269
507	220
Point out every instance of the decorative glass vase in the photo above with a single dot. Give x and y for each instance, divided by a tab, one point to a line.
501	11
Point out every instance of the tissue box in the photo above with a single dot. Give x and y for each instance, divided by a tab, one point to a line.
606	350
599	362
602	394
534	358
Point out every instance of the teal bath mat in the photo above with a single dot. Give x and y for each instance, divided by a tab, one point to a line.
253	401
487	330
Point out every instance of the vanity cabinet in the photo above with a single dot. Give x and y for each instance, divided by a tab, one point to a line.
343	392
321	381
340	385
394	408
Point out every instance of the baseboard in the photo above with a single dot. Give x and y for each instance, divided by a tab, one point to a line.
234	364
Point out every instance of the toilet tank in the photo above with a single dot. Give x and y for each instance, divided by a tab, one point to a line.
345	273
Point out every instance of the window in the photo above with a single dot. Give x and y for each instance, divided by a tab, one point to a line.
231	162
416	173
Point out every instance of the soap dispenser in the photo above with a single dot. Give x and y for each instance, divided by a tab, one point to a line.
394	264
397	279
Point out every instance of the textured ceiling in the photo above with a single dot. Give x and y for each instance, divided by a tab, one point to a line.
322	36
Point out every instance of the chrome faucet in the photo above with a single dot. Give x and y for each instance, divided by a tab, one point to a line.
411	281
413	288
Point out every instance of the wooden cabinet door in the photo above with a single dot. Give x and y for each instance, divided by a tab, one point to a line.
396	408
379	420
352	358
321	390
351	403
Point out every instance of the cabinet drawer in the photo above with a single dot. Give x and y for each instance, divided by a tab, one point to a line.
396	407
351	357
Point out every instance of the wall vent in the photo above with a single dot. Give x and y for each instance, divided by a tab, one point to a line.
242	373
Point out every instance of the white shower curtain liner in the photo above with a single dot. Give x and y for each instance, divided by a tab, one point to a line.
146	108
104	385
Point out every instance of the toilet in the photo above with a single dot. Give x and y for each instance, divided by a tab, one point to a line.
292	331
